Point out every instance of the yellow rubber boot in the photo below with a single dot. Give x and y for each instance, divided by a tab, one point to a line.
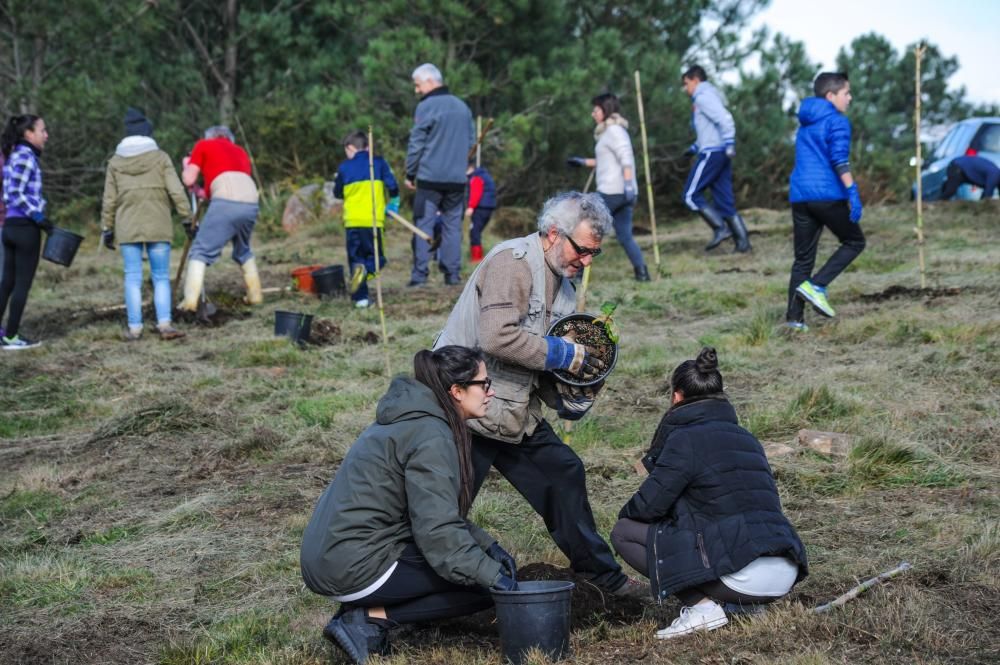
192	285
252	278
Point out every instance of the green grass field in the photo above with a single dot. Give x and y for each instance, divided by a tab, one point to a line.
153	495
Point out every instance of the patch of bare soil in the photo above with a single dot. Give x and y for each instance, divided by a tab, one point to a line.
324	332
591	605
897	291
118	639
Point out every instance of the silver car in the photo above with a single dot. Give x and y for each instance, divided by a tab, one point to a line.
973	136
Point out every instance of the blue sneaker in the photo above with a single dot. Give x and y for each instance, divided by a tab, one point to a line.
816	296
796	326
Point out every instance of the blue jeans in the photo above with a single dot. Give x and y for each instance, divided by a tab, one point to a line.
159	266
621	213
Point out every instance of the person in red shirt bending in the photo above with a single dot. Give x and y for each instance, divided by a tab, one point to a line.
482	203
225	172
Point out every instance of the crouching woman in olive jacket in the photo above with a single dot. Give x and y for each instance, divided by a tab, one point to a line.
389	538
706	524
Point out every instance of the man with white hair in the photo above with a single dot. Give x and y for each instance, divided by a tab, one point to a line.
225	170
518	291
436	159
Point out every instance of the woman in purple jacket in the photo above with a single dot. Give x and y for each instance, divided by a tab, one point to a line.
22	142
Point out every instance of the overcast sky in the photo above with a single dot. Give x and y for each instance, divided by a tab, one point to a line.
968	29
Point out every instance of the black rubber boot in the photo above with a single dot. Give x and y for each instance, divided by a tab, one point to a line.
358	637
641	274
739	229
717	224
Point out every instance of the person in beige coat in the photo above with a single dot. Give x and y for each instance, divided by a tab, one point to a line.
139	187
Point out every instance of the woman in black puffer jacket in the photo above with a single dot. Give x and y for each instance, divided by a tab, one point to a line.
706	524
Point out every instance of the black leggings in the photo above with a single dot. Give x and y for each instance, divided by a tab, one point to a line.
629	540
22	239
414	593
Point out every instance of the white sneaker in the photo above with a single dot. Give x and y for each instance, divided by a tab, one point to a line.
703	616
17	343
363	303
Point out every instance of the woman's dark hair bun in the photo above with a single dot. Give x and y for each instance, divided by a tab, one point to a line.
707	360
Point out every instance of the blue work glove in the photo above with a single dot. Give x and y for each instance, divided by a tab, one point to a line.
504	583
393	205
574	358
576	162
575	401
855	200
108	238
506	561
730	149
631	192
39	218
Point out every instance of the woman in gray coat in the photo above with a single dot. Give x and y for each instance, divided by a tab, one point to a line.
389	538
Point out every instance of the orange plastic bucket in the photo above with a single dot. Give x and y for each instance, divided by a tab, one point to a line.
302	279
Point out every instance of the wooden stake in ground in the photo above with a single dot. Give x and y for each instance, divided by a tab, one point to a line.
581	293
649	177
861	588
375	242
918	54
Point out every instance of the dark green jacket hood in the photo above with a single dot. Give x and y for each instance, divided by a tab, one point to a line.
407	399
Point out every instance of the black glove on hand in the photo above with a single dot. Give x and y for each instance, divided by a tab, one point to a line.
504	583
501	556
576	162
189	230
108	238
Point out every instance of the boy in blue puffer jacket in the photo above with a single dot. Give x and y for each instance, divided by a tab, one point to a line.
823	193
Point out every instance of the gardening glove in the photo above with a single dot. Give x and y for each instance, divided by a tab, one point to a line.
189	230
574	358
506	561
39	218
504	583
108	238
576	162
393	205
631	192
575	401
855	200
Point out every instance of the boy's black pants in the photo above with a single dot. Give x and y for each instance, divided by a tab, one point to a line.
808	220
22	240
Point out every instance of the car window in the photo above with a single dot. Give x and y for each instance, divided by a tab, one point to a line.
944	149
988	139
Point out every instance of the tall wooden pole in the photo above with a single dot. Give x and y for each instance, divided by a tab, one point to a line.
918	54
581	293
649	177
375	244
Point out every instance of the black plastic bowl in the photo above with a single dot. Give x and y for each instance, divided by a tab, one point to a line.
566	377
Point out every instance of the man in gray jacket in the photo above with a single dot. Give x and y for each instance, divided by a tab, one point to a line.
715	147
436	159
518	291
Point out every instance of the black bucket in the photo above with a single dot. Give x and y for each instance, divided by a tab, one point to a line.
536	616
61	246
294	325
329	281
